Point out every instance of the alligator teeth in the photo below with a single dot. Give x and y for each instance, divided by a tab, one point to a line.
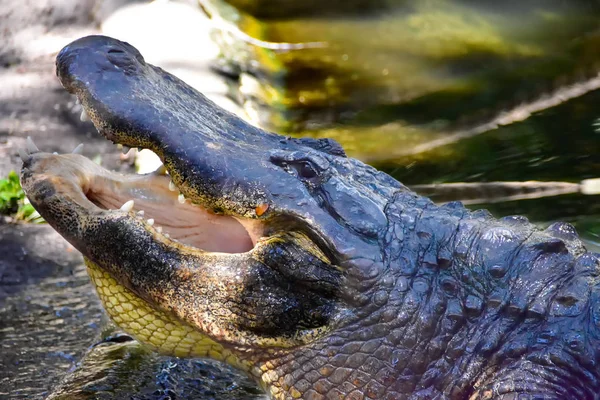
140	213
78	149
590	186
55	153
167	235
159	229
172	186
23	154
125	149
84	116
128	206
151	221
31	147
181	198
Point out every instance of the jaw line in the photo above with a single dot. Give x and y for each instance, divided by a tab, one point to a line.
125	246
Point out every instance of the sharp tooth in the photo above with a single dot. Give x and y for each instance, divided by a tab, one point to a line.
31	147
83	117
55	153
78	149
140	213
172	186
159	229
128	206
125	149
151	221
181	198
167	235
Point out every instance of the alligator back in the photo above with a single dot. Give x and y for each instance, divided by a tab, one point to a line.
490	307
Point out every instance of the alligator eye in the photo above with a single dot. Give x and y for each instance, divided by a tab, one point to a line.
305	170
306	167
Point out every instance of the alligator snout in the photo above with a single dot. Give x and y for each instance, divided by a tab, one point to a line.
97	60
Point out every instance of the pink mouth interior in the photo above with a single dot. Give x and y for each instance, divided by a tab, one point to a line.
187	223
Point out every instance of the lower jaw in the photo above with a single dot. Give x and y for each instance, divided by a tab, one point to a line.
167	334
159	330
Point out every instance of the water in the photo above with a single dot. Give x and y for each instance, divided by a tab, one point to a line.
120	368
424	66
560	144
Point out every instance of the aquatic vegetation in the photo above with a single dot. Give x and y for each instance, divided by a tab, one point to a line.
13	201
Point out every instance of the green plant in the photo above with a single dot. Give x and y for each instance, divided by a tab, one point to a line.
14	202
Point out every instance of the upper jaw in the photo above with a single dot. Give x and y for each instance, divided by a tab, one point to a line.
209	152
213	157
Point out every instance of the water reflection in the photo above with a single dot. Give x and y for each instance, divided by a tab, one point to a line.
120	366
435	63
559	144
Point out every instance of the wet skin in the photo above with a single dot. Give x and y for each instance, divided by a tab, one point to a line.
318	275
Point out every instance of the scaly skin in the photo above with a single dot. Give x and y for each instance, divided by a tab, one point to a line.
342	284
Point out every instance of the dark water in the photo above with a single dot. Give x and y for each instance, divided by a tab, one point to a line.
119	368
559	144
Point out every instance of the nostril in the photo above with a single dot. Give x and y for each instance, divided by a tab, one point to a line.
120	58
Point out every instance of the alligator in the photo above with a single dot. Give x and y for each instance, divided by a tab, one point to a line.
318	275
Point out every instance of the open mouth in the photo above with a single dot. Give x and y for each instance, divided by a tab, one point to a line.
219	162
185	261
157	200
153	199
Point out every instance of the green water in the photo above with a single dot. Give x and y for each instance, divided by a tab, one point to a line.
431	63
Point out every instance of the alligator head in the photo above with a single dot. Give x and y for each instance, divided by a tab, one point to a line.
254	247
318	275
